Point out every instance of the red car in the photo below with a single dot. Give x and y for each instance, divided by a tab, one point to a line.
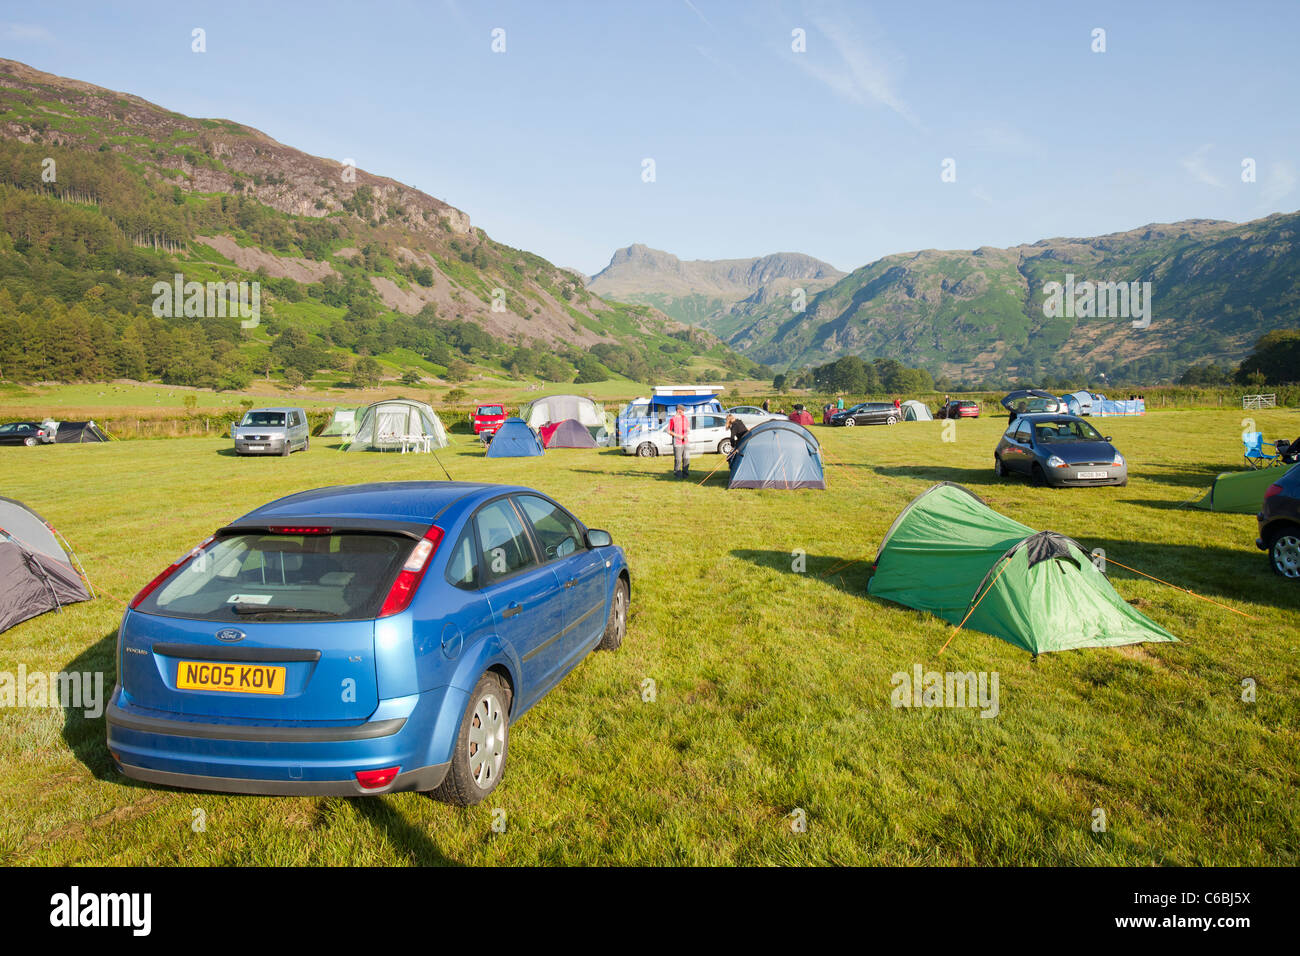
960	410
488	418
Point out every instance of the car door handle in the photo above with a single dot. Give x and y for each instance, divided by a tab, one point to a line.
511	611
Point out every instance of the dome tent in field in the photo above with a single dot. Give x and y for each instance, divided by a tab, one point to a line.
36	573
566	434
514	439
914	411
1239	492
396	423
777	454
559	408
78	433
949	553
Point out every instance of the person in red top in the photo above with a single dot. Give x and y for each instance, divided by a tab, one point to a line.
800	416
680	431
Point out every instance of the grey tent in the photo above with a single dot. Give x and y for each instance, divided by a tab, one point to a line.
559	408
777	454
36	574
79	432
914	411
398	423
567	434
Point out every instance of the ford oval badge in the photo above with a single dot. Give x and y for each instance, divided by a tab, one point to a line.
230	634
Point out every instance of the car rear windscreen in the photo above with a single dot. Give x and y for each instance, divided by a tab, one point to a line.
256	575
263	418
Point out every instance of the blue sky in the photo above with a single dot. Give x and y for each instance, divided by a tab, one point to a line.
836	151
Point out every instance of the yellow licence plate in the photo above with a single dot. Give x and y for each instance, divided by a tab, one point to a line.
237	678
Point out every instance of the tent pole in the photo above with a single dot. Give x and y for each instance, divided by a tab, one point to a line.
1005	565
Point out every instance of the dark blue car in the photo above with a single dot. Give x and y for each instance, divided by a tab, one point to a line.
361	639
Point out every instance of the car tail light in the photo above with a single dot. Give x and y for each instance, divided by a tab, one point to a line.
294	529
1273	489
408	579
374	779
168	572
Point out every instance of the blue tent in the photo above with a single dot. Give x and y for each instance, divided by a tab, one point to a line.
777	454
514	439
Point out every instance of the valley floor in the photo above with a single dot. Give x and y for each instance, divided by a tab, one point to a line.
772	686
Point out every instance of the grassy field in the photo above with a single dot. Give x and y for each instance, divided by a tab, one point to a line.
772	687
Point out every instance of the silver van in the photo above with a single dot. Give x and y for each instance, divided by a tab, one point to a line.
271	431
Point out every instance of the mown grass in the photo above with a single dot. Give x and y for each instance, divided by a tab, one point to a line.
772	687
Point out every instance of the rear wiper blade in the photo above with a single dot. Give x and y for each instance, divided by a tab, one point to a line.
254	609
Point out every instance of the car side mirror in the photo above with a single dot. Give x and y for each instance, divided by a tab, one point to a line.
1107	438
598	539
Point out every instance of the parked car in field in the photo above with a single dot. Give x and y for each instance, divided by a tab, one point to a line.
1029	401
361	639
1058	450
959	409
751	415
25	433
868	413
1279	524
488	418
707	433
271	431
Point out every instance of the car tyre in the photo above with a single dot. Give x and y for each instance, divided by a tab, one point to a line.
285	449
999	469
647	450
891	420
306	443
616	626
1284	553
724	447
1040	479
478	759
848	421
29	442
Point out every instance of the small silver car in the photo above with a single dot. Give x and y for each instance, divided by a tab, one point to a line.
271	431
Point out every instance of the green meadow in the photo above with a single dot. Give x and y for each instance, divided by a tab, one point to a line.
748	695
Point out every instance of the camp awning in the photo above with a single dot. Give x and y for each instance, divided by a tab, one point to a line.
686	401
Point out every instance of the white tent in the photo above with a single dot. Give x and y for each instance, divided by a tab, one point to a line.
398	424
558	408
914	411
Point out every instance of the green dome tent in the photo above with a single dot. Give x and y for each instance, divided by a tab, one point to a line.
949	553
1240	492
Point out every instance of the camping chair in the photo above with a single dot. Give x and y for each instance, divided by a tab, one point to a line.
1256	450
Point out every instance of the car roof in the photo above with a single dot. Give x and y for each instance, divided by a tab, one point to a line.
1039	418
275	408
414	501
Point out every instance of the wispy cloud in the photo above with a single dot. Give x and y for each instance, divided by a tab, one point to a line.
696	11
853	67
25	32
1197	166
1277	183
982	194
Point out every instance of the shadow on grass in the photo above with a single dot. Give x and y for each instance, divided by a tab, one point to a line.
665	473
849	574
85	736
387	820
970	477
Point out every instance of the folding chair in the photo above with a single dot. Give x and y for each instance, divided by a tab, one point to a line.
1259	453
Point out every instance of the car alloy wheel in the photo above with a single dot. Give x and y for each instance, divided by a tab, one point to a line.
891	420
1285	555
616	626
724	447
647	450
486	747
849	420
29	442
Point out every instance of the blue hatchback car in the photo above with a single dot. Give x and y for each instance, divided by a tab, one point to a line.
361	639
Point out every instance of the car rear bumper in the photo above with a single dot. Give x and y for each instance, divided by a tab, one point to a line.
414	733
